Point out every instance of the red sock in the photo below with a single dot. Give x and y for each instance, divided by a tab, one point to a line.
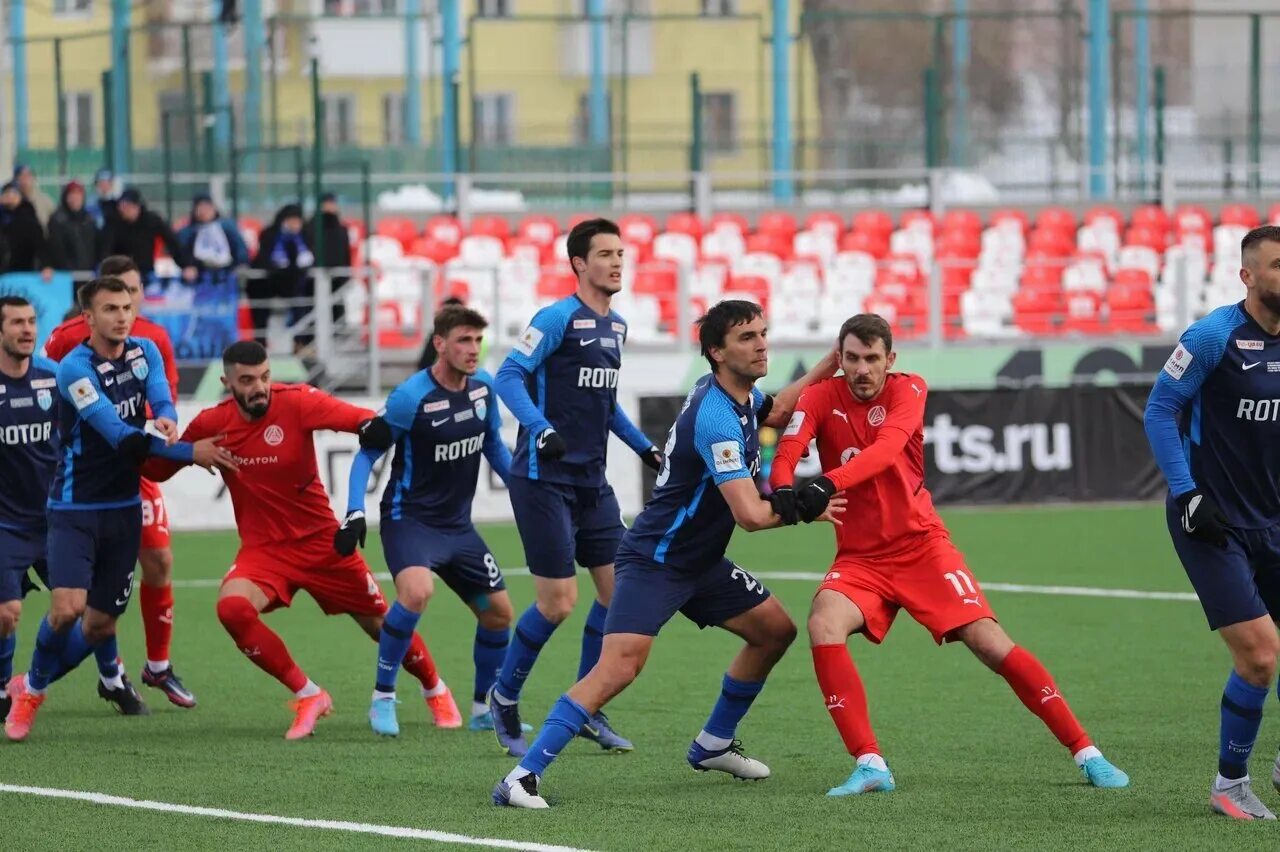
262	645
1035	688
157	619
845	698
418	663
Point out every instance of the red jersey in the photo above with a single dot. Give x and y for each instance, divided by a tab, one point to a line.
277	494
874	452
75	331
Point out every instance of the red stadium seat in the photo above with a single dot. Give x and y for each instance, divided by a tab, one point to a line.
490	226
526	249
777	224
917	219
905	267
1040	274
433	250
733	221
958	244
1050	242
1056	219
873	222
1008	214
1038	311
1192	219
1083	312
1140	236
769	243
1111	214
832	223
454	289
1131	305
1244	215
638	229
870	242
542	230
961	220
754	287
444	229
1151	217
556	283
685	223
1273	214
397	228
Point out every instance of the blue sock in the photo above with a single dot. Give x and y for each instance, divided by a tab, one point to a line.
108	654
8	644
592	638
393	643
76	649
566	719
532	632
46	658
735	700
488	653
1242	704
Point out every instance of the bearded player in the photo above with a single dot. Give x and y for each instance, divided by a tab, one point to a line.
285	522
155	555
897	554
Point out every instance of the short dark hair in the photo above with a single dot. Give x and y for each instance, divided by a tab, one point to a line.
117	265
579	241
12	302
250	353
1259	235
714	325
457	316
103	283
868	328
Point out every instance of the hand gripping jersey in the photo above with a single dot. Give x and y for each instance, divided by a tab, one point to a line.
28	444
687	524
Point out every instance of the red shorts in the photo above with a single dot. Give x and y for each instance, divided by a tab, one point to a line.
341	585
929	581
155	518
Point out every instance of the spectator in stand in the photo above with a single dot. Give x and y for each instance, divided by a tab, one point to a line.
133	232
285	260
25	177
73	236
212	241
23	247
103	207
335	247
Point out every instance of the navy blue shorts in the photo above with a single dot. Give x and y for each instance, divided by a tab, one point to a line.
1238	583
646	595
561	524
96	549
20	550
460	558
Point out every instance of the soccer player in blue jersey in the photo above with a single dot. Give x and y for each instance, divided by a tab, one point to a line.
1213	420
673	557
561	382
28	456
94	509
442	418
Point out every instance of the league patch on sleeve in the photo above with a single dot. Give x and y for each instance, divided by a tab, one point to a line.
793	425
528	341
727	455
83	393
1178	362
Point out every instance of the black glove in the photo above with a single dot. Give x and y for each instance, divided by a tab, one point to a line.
1202	519
135	447
813	499
783	501
350	533
551	445
375	434
652	459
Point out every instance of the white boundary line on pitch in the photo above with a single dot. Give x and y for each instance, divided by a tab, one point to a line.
297	822
1017	588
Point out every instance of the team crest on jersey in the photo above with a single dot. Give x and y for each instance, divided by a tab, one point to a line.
876	415
140	369
44	399
273	435
482	408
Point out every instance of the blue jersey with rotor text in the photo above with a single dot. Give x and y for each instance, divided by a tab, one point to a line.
28	444
440	435
1213	417
563	374
103	402
687	523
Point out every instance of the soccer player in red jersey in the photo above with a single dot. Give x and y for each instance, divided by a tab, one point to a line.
287	526
155	555
896	552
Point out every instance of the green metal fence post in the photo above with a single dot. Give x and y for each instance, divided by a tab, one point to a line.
300	169
209	121
273	91
108	122
62	107
189	98
932	156
695	118
166	165
1255	102
1228	165
1159	110
233	165
317	155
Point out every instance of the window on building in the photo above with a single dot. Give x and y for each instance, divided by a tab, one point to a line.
393	119
582	118
493	8
340	120
719	8
494	119
72	7
78	108
720	122
359	8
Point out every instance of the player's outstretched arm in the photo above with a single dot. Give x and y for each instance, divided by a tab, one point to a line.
496	452
801	429
785	401
543	336
620	424
78	385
